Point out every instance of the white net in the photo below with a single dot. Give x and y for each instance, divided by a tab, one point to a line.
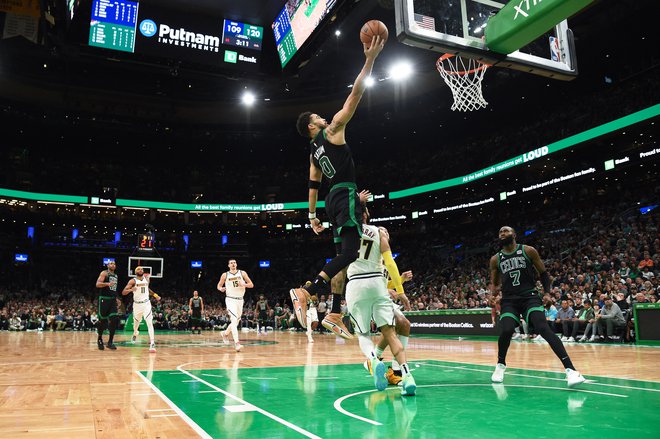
463	76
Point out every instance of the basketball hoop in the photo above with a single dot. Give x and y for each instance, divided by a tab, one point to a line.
463	76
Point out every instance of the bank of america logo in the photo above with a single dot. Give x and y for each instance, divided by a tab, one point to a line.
231	57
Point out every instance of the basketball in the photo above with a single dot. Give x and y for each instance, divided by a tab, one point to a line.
372	28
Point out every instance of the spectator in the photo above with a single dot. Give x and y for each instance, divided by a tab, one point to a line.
610	318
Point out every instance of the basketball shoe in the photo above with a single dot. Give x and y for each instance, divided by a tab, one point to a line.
409	386
498	374
392	378
332	322
299	298
573	378
378	368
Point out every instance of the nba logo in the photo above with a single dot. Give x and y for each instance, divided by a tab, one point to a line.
554	49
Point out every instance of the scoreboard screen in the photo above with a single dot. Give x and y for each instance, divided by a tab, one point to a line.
168	31
145	242
113	24
235	33
295	23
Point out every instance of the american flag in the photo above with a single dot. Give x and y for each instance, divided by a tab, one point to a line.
425	22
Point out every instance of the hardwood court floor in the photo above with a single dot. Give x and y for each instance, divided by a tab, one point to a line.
280	386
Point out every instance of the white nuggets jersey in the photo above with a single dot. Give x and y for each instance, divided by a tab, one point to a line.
141	293
370	260
233	290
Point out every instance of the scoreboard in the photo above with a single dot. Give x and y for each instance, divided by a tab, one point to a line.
145	242
166	31
235	33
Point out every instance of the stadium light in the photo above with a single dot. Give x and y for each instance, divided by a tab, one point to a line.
369	81
400	71
248	98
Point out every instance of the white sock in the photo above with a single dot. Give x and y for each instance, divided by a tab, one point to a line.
379	352
404	369
366	345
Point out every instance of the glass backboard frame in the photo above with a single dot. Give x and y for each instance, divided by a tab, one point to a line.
464	44
154	267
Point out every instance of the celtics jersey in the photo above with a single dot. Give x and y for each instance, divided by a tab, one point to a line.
517	271
110	291
335	161
197	303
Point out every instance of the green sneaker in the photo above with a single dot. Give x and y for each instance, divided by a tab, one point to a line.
378	368
409	386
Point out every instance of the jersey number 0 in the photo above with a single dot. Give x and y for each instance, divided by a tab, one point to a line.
326	166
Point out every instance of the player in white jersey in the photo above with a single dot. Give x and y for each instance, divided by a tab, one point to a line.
367	298
139	286
234	282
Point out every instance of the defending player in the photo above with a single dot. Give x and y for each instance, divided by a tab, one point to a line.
367	299
515	267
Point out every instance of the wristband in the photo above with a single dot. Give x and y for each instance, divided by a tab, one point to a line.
311	215
156	296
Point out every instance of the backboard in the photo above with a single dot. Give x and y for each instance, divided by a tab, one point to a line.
152	266
457	27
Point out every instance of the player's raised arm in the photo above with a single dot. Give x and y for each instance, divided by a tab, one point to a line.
343	116
130	288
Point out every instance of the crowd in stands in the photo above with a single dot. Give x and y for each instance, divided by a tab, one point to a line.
606	251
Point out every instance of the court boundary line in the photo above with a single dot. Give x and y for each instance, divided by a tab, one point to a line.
192	424
257	409
537	370
539	377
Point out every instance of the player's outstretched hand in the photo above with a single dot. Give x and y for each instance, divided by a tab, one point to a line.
317	227
364	196
372	50
406	276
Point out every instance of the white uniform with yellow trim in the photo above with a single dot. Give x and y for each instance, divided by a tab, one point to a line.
141	302
366	291
235	294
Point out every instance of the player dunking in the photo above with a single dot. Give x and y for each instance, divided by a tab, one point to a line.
234	282
108	301
515	267
331	158
196	308
139	286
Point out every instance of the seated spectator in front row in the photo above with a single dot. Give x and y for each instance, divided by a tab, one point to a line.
610	318
583	320
565	316
15	323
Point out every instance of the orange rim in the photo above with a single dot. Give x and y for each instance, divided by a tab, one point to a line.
446	56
